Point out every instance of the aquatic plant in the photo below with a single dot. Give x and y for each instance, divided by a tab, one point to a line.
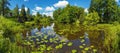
94	50
69	44
92	46
81	46
82	41
49	48
74	51
86	49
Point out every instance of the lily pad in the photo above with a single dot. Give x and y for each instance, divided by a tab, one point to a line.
86	49
81	37
95	50
49	48
57	47
82	41
70	44
37	39
92	46
83	44
74	51
81	47
60	45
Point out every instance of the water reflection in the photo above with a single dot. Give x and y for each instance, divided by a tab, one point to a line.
63	34
47	31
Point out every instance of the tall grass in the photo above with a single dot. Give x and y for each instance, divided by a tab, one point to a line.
112	37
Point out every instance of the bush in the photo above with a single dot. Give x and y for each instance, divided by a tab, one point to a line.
91	19
112	35
10	28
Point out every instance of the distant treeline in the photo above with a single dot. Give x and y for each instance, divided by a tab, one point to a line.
108	11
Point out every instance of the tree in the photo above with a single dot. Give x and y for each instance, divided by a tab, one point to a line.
3	5
28	14
107	9
91	19
16	11
37	17
23	14
38	14
118	18
56	13
69	14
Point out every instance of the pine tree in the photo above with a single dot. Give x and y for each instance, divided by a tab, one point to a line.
23	14
28	14
16	11
3	5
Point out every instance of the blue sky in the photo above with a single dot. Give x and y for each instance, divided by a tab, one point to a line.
48	6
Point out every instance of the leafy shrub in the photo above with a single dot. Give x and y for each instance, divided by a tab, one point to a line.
10	28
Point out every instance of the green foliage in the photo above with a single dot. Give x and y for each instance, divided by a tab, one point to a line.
91	19
100	11
107	10
16	11
23	16
111	37
8	47
4	7
30	24
29	18
10	28
42	19
4	45
69	14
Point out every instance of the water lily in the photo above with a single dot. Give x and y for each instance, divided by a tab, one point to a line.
37	39
84	44
70	44
81	37
86	49
45	37
60	45
81	47
51	40
82	41
92	46
74	51
49	48
94	50
57	47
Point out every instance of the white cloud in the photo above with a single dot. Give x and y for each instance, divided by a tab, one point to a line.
48	14
26	0
38	8
49	8
19	9
61	3
86	10
34	12
117	0
25	9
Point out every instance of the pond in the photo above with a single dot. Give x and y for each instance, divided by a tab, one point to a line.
60	38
